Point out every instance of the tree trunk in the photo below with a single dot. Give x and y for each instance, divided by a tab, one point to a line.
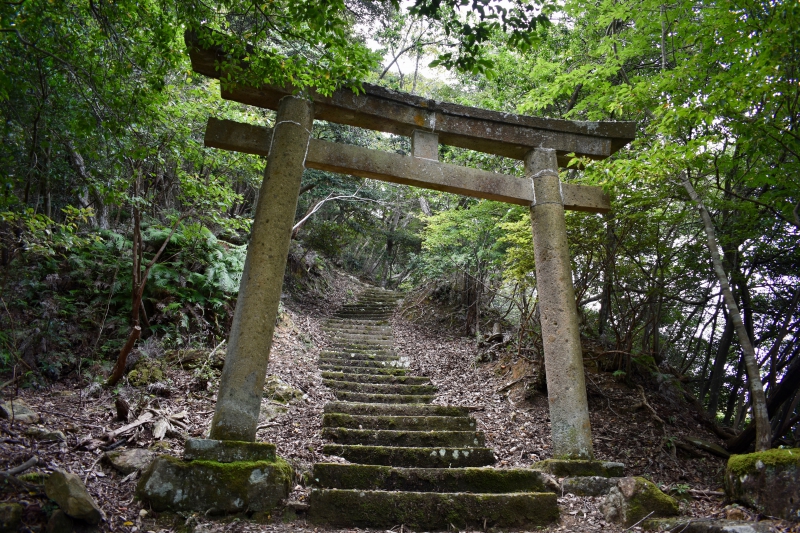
757	397
718	370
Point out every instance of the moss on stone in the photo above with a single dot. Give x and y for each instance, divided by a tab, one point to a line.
170	484
428	510
412	457
740	465
146	371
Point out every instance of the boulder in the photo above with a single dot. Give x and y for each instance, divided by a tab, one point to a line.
10	517
170	484
19	411
69	492
60	523
588	485
130	460
147	371
709	525
44	434
278	390
768	482
634	499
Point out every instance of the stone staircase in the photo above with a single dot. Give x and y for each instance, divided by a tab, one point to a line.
411	462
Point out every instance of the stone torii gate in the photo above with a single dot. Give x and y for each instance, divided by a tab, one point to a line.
543	144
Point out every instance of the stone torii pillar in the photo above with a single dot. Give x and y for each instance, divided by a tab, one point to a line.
563	358
241	386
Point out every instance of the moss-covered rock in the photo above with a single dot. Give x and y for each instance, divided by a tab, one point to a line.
147	371
579	468
10	517
277	390
170	484
69	492
635	498
431	510
769	482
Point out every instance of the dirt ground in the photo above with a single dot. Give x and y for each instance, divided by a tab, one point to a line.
516	426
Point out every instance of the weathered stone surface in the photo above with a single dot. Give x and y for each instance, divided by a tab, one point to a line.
413	423
412	457
44	434
241	387
69	492
130	460
226	451
580	468
278	390
405	438
563	358
170	484
766	481
19	411
10	517
376	409
476	480
588	485
431	510
635	498
709	525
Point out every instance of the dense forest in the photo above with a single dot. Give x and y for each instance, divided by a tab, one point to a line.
114	214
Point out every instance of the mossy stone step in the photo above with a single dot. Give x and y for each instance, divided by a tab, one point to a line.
365	315
431	510
472	479
361	363
353	356
362	345
362	336
362	397
363	370
412	457
356	322
405	438
380	388
372	409
376	378
359	330
412	423
378	350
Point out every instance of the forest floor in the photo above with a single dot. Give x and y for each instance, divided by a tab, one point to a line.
516	425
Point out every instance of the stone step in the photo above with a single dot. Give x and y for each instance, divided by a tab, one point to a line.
432	511
373	378
412	423
429	457
372	409
348	351
355	322
364	315
359	330
355	356
359	370
362	345
380	388
361	336
478	480
405	438
362	363
361	397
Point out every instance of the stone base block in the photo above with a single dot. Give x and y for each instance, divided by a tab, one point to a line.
579	468
170	484
228	451
768	482
589	485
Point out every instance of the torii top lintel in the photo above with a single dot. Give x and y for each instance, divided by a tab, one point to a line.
382	109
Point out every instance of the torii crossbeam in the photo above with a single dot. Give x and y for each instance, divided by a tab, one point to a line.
542	144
